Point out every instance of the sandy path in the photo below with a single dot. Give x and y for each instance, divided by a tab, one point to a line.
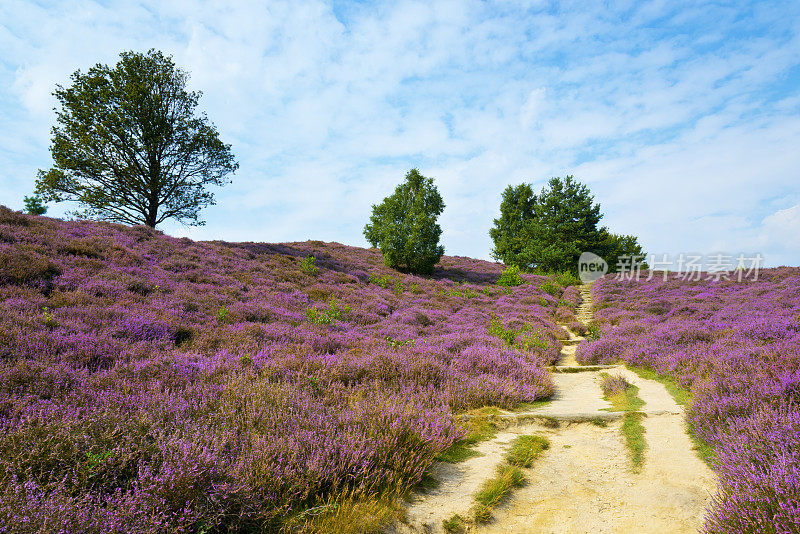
457	483
583	483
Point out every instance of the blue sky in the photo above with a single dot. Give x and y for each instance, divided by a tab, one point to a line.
682	117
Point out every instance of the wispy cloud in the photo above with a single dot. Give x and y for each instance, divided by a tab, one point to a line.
682	118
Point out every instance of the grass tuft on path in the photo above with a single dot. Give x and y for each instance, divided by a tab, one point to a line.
455	525
525	449
633	431
494	490
523	452
624	397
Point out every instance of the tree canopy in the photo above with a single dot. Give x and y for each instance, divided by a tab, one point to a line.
516	213
129	147
549	231
404	225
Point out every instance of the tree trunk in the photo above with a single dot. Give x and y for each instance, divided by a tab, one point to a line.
152	213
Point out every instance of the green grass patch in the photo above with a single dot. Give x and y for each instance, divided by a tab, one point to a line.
458	452
309	265
383	281
523	452
626	401
681	395
525	338
703	450
482	513
510	277
498	329
633	431
551	288
348	513
462	290
479	428
565	278
525	449
562	278
495	489
455	525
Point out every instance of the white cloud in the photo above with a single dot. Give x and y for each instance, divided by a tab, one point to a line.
778	234
533	107
783	226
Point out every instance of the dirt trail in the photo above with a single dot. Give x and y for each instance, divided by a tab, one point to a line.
583	483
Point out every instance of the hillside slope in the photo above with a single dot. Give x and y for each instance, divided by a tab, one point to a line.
149	383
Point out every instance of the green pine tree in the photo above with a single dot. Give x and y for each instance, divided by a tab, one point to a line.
549	231
508	234
34	205
614	246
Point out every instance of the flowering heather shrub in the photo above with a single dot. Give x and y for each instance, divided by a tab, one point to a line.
613	385
572	296
21	266
564	314
605	350
577	326
153	384
736	345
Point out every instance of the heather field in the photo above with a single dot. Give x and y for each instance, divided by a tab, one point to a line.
736	347
154	384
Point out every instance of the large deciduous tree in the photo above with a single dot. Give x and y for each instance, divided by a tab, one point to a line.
549	231
404	225
129	147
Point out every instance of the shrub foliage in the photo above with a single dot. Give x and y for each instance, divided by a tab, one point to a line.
404	225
